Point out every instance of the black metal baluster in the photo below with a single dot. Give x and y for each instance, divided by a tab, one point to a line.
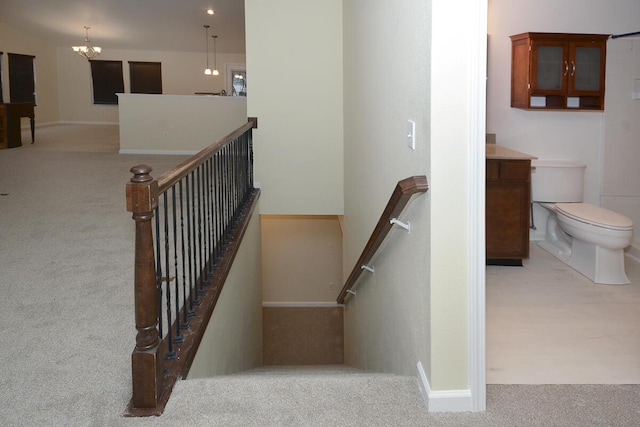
234	178
193	256
171	354
185	312
178	338
228	208
205	225
210	246
159	273
218	204
250	159
212	214
234	181
244	168
199	266
223	213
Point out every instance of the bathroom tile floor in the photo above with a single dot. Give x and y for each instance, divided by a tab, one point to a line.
548	324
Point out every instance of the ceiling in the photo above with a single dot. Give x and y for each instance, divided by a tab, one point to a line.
173	25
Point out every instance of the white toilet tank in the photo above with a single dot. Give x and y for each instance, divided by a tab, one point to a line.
556	181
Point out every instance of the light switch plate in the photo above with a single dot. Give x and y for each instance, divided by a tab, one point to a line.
411	134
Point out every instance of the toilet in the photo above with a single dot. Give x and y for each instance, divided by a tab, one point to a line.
588	238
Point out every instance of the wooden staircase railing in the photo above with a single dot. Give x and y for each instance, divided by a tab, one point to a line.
189	225
398	201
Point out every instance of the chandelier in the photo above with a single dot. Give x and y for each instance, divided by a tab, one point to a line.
87	51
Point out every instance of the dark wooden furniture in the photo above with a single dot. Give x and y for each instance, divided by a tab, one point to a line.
3	126
551	71
12	112
507	211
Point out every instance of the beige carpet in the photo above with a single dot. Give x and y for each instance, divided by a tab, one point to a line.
77	137
302	336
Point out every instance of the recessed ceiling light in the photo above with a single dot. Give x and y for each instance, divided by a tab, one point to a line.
210	11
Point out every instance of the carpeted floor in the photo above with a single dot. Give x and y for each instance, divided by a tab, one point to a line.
66	251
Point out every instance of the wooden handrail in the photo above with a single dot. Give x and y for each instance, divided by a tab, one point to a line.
398	201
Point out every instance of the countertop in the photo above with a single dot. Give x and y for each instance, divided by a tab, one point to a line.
493	151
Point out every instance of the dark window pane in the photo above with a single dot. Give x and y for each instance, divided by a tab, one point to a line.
107	81
145	77
22	86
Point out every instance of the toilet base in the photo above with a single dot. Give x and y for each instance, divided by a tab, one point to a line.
601	265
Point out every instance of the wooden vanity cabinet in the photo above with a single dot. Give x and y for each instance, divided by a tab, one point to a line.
551	71
508	186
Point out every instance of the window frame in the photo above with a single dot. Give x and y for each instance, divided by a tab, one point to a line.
145	77
22	77
107	80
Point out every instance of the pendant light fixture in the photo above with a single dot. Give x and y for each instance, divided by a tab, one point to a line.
215	68
207	71
87	51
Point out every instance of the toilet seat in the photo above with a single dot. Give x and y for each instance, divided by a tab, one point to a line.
595	215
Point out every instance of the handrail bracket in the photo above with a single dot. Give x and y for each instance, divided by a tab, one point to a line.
369	269
405	225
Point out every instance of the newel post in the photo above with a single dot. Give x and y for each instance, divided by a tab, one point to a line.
146	361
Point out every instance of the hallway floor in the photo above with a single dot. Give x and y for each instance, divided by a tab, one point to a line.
548	324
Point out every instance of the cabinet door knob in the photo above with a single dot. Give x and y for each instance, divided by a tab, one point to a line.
573	68
566	68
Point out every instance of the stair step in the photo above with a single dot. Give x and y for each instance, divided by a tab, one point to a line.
334	395
305	370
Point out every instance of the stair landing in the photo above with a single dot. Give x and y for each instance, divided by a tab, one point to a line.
299	396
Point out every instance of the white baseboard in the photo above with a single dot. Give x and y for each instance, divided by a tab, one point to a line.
160	152
443	400
89	123
49	124
301	304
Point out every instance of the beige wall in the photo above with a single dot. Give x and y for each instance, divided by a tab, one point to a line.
577	136
387	325
233	339
46	75
621	151
177	124
182	74
302	258
294	64
415	308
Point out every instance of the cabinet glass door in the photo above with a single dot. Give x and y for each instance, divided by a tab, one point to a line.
550	68
585	69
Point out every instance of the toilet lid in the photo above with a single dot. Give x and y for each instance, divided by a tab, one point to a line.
592	214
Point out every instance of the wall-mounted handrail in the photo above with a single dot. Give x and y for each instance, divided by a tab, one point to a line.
398	201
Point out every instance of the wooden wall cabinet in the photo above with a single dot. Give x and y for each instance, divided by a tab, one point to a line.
558	71
507	211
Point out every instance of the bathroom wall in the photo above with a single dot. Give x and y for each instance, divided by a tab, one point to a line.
586	137
620	171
